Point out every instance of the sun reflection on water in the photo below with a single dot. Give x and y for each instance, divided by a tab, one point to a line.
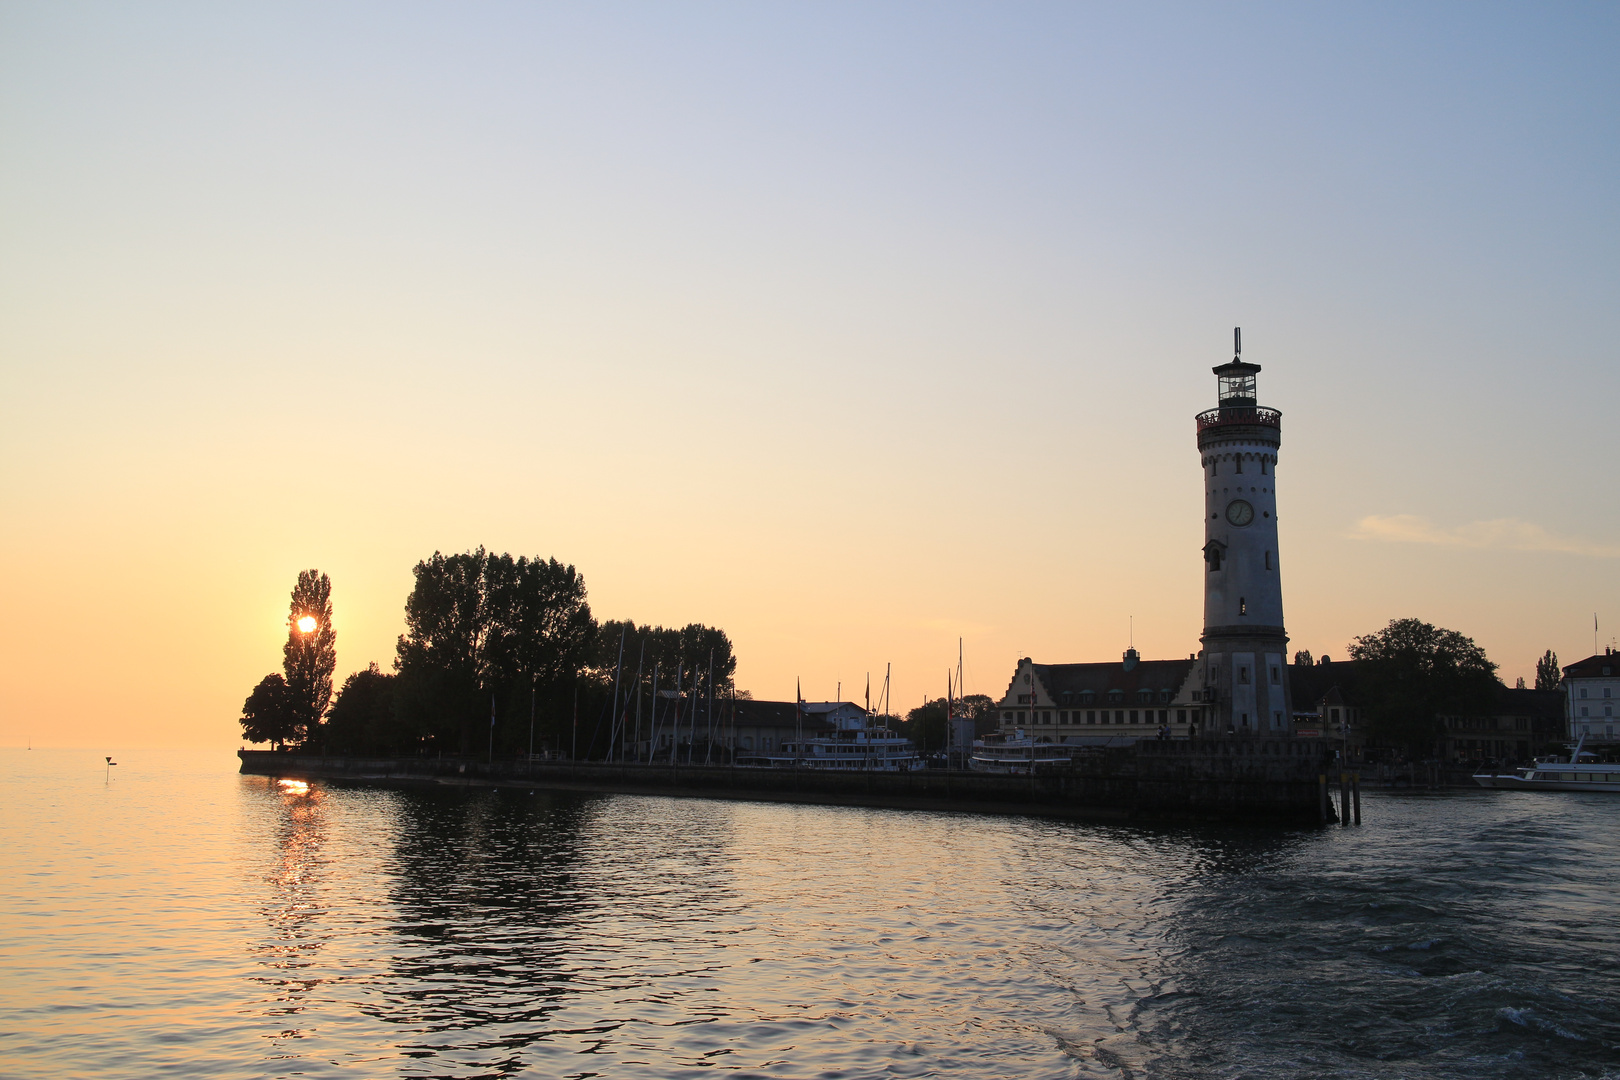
293	787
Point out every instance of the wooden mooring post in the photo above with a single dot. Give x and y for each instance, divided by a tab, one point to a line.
1355	794
1322	796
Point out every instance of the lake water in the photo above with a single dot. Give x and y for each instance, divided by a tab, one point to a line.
182	920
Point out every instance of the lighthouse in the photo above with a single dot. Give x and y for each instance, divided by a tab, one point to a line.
1245	646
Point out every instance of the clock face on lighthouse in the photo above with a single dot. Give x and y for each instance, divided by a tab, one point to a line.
1239	512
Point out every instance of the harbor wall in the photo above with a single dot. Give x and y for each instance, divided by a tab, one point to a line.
1212	778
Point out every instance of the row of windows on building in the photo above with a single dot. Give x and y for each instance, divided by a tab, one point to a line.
1486	723
1608	691
1608	710
1114	697
1102	716
1477	748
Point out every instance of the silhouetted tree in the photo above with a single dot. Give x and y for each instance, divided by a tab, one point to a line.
925	725
1303	658
268	714
481	627
1548	673
362	720
310	655
1411	673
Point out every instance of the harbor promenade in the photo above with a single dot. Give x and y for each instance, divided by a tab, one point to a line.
1202	779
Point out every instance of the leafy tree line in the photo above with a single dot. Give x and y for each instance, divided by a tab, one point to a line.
925	725
1411	675
496	648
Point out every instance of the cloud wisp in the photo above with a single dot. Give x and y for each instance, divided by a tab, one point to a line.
1500	534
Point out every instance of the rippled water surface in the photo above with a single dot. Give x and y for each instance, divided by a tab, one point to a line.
184	920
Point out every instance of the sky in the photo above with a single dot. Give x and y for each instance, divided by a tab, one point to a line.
854	329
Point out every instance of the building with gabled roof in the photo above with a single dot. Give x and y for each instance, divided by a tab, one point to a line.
1081	703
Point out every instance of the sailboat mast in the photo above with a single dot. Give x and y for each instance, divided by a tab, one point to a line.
652	741
708	738
640	656
613	723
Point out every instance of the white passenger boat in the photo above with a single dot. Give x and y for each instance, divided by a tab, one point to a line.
1550	774
855	743
1016	753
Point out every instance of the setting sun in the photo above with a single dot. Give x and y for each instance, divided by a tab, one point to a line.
306	623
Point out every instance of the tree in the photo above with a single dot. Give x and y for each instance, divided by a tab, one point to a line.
310	655
268	714
361	720
1548	673
925	725
1303	658
1412	673
482	627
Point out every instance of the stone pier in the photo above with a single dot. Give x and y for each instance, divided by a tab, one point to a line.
1197	779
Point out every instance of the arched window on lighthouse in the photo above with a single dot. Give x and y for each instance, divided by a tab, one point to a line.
1268	560
1262	466
1239	459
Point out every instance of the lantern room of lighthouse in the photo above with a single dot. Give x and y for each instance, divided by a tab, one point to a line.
1245	645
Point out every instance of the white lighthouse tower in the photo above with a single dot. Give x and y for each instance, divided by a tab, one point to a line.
1245	645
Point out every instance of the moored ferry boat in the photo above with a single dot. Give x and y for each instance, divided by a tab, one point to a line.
849	739
1014	752
1551	774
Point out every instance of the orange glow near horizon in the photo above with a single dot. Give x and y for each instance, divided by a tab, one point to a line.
803	335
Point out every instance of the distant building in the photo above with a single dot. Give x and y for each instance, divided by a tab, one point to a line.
764	726
1521	724
1078	703
1326	702
1590	689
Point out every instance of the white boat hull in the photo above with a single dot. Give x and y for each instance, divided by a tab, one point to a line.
1554	779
